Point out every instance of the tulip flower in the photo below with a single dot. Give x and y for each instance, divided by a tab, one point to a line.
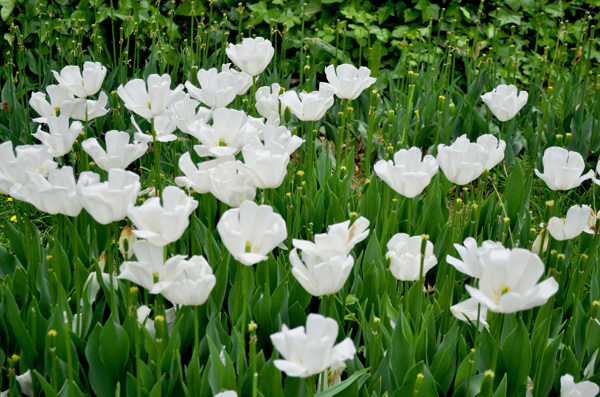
82	84
509	281
568	387
61	102
504	101
164	125
464	161
152	101
407	174
61	138
319	274
494	149
348	81
185	282
119	152
308	106
217	89
326	263
282	136
149	261
252	55
244	80
188	110
230	182
473	257
251	231
268	163
55	195
578	220
87	109
14	168
163	224
26	383
467	311
267	100
405	255
108	201
197	177
563	169
227	393
229	132
311	351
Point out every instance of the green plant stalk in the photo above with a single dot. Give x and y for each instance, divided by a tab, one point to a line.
247	275
69	358
372	109
311	382
499	320
411	91
540	359
588	335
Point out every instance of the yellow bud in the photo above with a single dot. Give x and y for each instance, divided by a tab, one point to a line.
10	199
52	333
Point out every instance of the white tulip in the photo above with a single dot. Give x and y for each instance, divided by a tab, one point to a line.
61	138
308	106
308	352
568	387
505	101
348	81
405	255
108	201
252	55
407	174
578	220
166	223
82	84
14	168
119	152
509	282
267	100
563	169
251	231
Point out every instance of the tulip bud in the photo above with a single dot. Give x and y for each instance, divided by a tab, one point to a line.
102	261
487	384
126	241
418	384
595	309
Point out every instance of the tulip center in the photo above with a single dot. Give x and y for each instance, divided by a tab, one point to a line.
149	104
222	142
248	246
503	290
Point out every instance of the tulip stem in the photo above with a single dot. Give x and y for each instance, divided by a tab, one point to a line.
247	278
498	320
311	385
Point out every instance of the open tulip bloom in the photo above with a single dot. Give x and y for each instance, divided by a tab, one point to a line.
579	219
119	152
62	136
311	351
505	101
327	263
166	223
108	201
251	231
252	55
82	84
151	101
267	100
348	81
217	89
464	161
473	257
468	310
229	132
509	282
28	158
563	169
408	175
405	255
308	106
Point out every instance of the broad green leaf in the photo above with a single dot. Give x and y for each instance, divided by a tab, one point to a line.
334	390
516	353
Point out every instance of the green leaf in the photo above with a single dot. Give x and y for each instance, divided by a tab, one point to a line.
100	377
7	8
18	327
516	353
8	263
444	361
114	353
332	391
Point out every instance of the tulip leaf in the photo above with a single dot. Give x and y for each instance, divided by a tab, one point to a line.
14	320
468	367
400	356
8	263
516	353
548	367
46	387
99	376
444	360
269	381
114	352
501	390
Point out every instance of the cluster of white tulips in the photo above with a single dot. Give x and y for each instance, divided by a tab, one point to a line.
507	278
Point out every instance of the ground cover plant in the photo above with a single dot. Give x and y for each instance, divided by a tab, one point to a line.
321	198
